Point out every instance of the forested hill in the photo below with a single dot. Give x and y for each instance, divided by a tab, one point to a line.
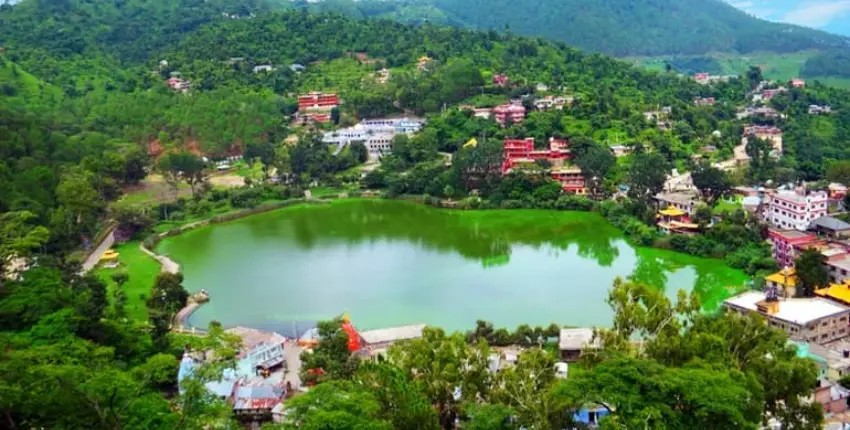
615	27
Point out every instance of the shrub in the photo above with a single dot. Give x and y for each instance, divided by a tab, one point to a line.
512	204
246	198
177	216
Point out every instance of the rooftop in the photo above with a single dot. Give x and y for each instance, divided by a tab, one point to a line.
840	292
577	338
840	261
392	334
786	277
798	311
253	337
792	234
682	198
829	223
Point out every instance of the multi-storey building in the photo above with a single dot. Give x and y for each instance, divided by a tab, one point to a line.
317	100
786	245
521	151
808	319
515	113
793	209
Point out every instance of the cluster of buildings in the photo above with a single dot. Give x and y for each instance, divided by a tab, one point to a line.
518	152
765	95
549	102
769	133
316	107
763	111
704	101
818	110
707	78
513	113
377	134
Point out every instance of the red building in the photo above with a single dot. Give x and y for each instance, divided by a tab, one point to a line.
500	80
786	244
571	179
521	151
701	77
514	112
798	83
317	100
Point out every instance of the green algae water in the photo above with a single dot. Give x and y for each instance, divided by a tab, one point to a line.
390	263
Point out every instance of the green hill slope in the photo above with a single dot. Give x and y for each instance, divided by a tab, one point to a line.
616	27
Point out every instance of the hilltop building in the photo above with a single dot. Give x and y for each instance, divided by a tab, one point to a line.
517	152
316	106
513	112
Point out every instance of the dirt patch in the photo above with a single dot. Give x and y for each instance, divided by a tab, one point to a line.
227	181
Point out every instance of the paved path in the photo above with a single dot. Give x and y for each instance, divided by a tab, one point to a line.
94	257
167	264
292	353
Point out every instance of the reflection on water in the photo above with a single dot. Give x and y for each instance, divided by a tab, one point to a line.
390	262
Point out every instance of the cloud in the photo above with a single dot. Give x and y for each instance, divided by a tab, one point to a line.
817	14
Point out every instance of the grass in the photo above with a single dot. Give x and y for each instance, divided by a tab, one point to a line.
142	270
724	206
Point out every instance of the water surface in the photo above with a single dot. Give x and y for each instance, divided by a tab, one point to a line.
388	263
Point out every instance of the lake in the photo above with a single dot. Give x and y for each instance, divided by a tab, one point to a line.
390	263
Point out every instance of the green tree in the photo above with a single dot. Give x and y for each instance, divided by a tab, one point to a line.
446	369
184	166
646	176
331	355
596	161
336	405
811	272
711	182
489	417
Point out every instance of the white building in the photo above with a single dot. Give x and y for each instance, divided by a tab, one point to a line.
808	319
794	210
377	341
377	134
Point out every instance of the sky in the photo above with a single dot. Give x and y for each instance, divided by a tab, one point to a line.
828	15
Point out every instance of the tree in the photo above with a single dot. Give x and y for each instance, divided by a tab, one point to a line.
754	76
526	389
811	272
595	163
336	405
184	166
646	177
646	394
20	235
264	152
703	216
446	369
839	171
402	403
489	417
711	182
331	355
168	293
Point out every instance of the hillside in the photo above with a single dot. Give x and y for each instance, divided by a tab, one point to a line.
615	27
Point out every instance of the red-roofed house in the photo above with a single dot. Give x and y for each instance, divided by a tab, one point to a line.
798	83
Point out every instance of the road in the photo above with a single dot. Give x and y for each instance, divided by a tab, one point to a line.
94	257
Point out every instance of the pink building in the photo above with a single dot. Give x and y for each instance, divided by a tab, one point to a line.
513	112
798	83
500	80
702	77
786	245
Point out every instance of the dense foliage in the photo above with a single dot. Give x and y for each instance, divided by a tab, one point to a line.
687	369
86	116
617	27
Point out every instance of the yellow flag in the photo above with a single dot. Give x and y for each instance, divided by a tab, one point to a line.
471	142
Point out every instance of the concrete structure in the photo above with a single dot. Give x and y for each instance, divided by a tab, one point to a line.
833	397
483	113
377	134
808	319
837	265
794	209
830	226
515	113
765	111
797	83
549	102
571	179
519	152
572	342
621	150
817	110
783	281
379	340
684	201
263	68
785	244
